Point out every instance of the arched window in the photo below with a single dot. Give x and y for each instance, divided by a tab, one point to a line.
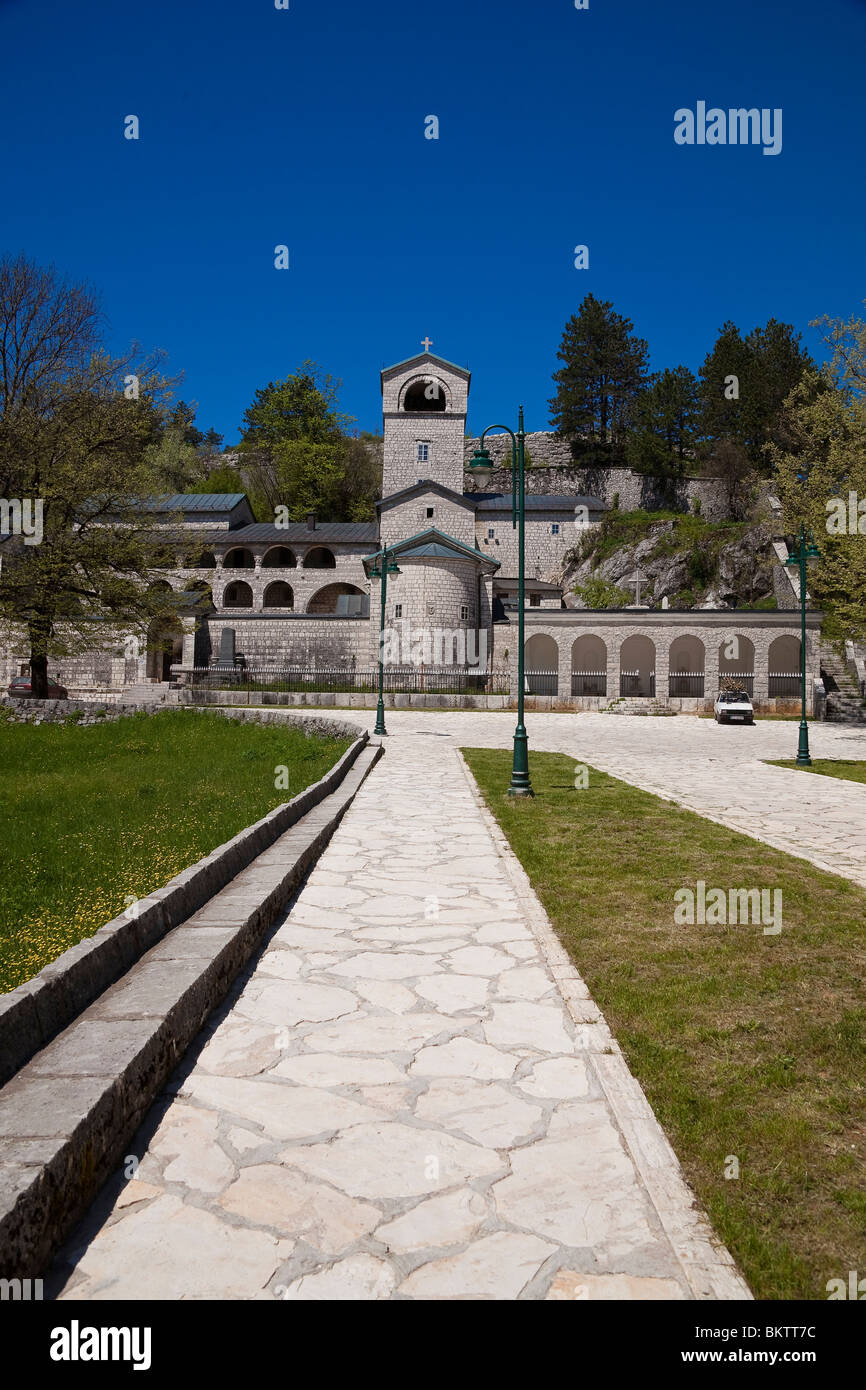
637	667
279	557
588	665
239	559
279	595
425	395
346	600
783	667
238	595
319	558
686	660
541	665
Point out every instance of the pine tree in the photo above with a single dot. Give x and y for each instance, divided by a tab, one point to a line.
597	388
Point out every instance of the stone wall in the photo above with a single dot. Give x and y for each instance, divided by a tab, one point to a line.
747	636
545	552
427	595
318	642
408	518
560	474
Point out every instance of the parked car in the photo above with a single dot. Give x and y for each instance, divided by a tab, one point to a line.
20	685
734	707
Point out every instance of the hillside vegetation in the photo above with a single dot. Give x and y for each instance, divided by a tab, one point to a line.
687	560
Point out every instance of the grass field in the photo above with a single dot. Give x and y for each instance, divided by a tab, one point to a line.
93	818
849	770
747	1045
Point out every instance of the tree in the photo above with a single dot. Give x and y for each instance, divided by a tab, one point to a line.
297	454
744	383
664	426
303	406
823	462
74	445
604	370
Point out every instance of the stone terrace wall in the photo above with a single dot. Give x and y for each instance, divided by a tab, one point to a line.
560	474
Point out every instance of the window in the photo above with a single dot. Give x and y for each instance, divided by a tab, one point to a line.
464	612
429	511
423	453
490	533
554	530
398	610
535	600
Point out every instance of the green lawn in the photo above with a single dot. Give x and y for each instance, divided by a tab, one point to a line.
849	770
746	1045
93	818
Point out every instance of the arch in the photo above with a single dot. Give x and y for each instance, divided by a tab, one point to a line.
205	561
279	595
198	596
239	559
237	595
737	658
424	395
279	557
784	655
541	665
686	665
783	666
326	600
589	665
320	558
637	666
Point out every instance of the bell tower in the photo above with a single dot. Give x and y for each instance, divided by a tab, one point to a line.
424	402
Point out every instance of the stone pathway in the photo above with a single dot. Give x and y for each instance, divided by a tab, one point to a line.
411	1095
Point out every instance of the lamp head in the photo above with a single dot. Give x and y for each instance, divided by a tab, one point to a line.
481	464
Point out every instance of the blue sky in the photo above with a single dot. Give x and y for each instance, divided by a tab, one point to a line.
305	127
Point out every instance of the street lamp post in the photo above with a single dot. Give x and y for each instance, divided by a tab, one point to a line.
381	569
800	557
481	467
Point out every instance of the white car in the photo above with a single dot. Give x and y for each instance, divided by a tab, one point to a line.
733	707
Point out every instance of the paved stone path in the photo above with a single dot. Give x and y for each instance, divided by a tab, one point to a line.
411	1094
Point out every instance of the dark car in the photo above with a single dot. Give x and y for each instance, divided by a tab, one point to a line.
21	686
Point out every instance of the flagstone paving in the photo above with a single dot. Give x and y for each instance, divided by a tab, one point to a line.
411	1094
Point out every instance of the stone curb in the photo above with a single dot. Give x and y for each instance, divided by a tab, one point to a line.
33	1013
67	1116
707	1264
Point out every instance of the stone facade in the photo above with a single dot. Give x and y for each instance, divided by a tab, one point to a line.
307	594
711	643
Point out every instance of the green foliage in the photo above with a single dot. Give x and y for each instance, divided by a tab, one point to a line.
664	424
223	479
597	593
301	407
824	457
604	370
768	363
297	454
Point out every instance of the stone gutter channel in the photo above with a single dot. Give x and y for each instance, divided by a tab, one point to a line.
86	1046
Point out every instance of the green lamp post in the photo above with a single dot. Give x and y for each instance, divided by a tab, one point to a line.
481	467
800	557
381	569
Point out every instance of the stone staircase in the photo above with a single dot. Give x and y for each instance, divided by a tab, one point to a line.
845	704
